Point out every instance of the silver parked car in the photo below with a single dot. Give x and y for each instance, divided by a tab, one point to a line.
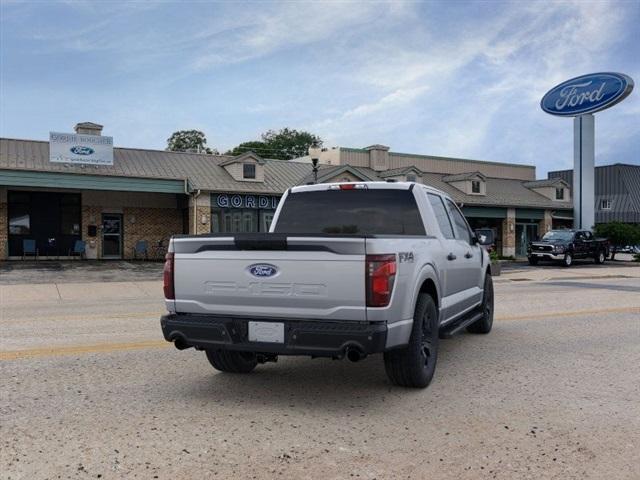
347	270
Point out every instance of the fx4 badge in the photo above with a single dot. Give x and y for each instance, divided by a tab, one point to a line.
406	257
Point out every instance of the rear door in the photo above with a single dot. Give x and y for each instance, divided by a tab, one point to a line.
470	258
581	245
452	265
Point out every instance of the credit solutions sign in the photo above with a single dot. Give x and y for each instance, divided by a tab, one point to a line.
80	149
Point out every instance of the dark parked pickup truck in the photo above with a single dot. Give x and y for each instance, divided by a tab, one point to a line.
566	245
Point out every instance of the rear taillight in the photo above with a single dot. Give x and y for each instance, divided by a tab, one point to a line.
169	290
381	273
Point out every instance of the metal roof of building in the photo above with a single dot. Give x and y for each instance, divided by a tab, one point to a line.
499	191
463	176
205	172
547	182
201	170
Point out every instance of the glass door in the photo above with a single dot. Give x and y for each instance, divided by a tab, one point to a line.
525	233
267	218
112	235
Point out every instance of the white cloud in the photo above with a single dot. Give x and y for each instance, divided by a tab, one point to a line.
484	81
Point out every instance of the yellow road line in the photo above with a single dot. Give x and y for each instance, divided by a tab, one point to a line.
574	313
115	347
81	349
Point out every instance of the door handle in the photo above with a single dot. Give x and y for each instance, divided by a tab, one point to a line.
468	255
451	256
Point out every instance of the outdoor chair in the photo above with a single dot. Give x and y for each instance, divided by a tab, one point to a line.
29	248
79	248
160	249
142	249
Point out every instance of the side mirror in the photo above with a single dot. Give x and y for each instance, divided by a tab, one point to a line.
485	237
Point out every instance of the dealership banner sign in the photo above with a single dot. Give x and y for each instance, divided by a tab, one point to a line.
80	149
580	98
245	201
587	94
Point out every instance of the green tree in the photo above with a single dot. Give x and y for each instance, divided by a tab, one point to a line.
619	234
283	144
257	147
287	144
188	141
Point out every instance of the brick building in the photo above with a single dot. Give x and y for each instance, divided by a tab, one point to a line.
145	195
149	195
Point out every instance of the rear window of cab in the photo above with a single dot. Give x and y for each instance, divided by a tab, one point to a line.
356	212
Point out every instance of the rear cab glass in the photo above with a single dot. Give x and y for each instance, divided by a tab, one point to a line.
351	212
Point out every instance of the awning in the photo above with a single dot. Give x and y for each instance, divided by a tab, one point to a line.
30	178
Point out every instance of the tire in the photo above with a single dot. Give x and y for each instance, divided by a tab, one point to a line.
232	362
600	257
414	365
533	261
486	322
568	260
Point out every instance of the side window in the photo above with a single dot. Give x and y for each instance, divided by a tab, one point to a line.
588	236
460	224
441	215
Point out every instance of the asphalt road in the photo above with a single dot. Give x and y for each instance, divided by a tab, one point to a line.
89	390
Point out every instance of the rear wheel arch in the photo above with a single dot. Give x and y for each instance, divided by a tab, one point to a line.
429	287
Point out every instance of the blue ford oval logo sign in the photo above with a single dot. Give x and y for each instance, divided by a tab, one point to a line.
263	270
79	150
587	94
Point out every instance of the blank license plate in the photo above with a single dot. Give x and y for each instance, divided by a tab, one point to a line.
270	332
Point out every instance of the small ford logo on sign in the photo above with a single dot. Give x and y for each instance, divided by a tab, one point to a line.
263	270
79	150
587	94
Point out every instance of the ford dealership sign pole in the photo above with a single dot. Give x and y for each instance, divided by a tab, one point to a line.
580	97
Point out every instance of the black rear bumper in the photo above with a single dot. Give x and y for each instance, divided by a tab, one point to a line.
301	337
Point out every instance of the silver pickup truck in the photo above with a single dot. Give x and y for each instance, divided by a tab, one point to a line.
347	270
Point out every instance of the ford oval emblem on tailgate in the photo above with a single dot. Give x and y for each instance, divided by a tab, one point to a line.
263	270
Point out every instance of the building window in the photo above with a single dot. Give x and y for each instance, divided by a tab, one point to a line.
559	193
475	186
605	204
19	214
240	220
249	170
52	219
411	177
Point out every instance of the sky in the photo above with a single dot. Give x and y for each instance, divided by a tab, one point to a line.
451	78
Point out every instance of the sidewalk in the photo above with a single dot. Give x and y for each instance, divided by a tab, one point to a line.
521	271
78	271
44	293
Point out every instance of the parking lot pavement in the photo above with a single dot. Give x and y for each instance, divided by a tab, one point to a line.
90	390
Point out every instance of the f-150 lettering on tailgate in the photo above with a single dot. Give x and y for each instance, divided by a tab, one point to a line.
267	289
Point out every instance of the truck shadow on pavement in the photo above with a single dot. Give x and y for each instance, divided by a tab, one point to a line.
327	384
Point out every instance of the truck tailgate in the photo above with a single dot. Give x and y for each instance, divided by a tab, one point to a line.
271	276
